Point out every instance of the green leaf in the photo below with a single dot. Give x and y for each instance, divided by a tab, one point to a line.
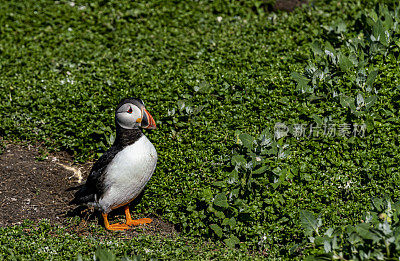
241	205
316	49
370	101
247	140
354	238
347	102
317	119
103	255
341	27
238	160
207	195
111	139
327	246
229	221
330	52
378	204
369	122
321	257
360	100
232	241
318	240
371	78
344	63
181	104
219	214
202	87
135	258
378	33
363	230
220	200
309	222
329	232
373	15
198	109
219	183
276	183
217	229
302	83
260	170
234	193
233	177
385	228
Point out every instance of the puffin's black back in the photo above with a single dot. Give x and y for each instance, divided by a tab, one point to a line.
95	182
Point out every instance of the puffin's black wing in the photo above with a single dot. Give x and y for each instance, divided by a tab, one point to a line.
95	182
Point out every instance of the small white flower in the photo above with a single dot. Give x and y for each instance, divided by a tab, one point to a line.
219	19
72	4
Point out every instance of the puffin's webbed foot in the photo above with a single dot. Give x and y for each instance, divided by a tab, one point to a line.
136	222
118	227
114	227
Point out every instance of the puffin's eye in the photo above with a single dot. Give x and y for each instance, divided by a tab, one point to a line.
130	110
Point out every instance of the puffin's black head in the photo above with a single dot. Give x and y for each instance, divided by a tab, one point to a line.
131	113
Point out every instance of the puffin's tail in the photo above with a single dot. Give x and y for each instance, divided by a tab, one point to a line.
82	196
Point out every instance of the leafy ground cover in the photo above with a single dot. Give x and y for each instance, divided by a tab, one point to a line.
219	79
43	241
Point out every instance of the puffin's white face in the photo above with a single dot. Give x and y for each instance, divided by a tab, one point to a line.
129	116
133	114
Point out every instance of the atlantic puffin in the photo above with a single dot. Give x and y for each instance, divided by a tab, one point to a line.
122	172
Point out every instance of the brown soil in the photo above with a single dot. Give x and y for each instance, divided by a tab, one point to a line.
37	190
288	5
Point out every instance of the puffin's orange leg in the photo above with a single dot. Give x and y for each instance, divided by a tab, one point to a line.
117	226
136	222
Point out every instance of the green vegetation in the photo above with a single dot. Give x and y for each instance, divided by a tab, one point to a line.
218	78
377	237
44	242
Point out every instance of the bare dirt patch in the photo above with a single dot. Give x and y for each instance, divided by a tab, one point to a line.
288	5
41	189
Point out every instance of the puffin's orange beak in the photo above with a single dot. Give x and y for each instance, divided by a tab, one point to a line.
147	121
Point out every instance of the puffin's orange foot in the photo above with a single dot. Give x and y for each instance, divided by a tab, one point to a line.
139	221
118	227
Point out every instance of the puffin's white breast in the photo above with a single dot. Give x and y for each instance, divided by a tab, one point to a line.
128	173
